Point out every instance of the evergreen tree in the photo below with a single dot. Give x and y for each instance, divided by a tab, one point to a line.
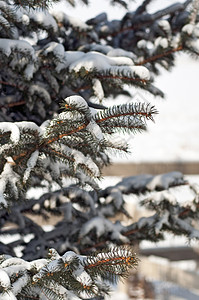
51	130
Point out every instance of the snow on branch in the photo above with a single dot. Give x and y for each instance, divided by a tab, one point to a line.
90	220
93	58
101	226
97	63
76	103
190	35
62	276
169	213
30	165
44	19
68	59
13	48
73	22
11	178
147	182
13	129
63	140
122	67
7	46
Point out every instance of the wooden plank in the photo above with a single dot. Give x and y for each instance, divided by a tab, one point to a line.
130	169
172	253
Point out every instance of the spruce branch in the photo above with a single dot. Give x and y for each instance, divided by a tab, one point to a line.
61	140
13	104
139	110
83	227
59	67
125	79
93	59
60	277
156	57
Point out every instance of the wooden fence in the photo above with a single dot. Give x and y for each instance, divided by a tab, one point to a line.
130	169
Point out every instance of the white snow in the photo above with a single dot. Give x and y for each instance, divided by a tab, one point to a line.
195	187
130	72
142	44
175	41
44	18
73	21
56	48
120	52
163	195
24	125
25	19
82	276
14	261
98	89
39	263
20	283
72	56
29	70
42	92
4	279
30	165
14	130
142	72
164	180
92	60
162	42
194	44
115	196
13	269
78	101
8	176
163	220
145	222
119	65
80	158
94	223
99	223
165	25
188	28
8	45
68	256
120	61
95	130
196	30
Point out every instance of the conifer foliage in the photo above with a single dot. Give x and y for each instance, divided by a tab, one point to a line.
70	276
55	72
